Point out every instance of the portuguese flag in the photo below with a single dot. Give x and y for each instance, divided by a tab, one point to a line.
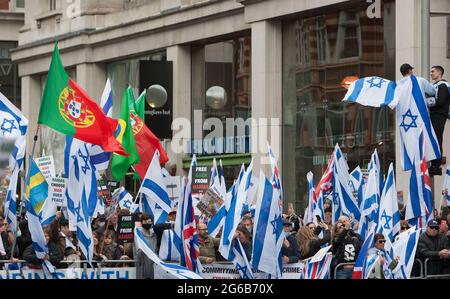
124	135
68	109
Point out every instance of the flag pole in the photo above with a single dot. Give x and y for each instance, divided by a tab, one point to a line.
35	138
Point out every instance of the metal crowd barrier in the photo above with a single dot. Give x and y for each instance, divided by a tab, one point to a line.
421	276
431	276
340	265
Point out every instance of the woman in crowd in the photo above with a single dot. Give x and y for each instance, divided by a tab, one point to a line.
378	263
55	254
308	240
110	248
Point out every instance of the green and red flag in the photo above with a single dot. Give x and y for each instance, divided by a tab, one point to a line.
124	135
68	109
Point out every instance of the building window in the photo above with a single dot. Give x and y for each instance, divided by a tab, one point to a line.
314	118
52	5
20	4
9	80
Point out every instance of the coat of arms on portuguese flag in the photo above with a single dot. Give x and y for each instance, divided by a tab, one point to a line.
68	109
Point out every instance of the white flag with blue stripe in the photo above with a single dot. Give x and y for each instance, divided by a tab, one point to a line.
372	91
176	270
240	261
357	184
309	216
389	216
370	203
412	114
125	198
167	250
154	186
13	126
151	208
234	213
405	246
268	234
348	204
78	206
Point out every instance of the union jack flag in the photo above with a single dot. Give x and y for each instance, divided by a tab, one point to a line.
317	270
325	182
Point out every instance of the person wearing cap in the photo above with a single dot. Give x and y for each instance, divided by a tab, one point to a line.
289	252
439	112
433	245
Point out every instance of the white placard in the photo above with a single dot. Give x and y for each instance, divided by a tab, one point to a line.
47	167
320	254
57	191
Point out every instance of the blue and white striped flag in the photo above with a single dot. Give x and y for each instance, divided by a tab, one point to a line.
372	91
357	184
349	206
125	198
151	208
370	204
389	216
13	126
37	236
87	171
309	211
359	269
405	246
176	270
268	234
154	185
412	114
78	206
167	250
240	261
233	217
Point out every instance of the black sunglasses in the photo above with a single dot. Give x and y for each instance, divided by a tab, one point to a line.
434	227
381	241
404	227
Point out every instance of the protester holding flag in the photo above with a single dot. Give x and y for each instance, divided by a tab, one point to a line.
346	246
144	265
380	265
55	256
433	245
243	236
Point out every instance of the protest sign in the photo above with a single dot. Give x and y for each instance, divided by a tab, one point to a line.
200	180
173	186
47	167
57	190
210	203
125	230
103	192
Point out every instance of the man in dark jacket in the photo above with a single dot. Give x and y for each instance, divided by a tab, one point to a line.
346	246
206	244
439	110
25	237
433	245
289	252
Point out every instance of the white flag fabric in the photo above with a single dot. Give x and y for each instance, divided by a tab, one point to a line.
389	216
412	115
240	261
405	246
176	270
268	234
154	186
167	250
372	91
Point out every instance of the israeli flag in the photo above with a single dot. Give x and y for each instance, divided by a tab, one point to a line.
218	220
154	186
405	246
412	114
240	261
446	187
276	180
233	217
167	250
357	184
349	206
176	270
360	268
268	234
13	126
217	179
125	198
87	172
78	206
370	204
106	101
389	216
150	207
372	91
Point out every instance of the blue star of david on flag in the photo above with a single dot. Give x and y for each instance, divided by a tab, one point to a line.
335	197
7	126
387	218
275	223
373	84
77	213
242	270
85	158
410	125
